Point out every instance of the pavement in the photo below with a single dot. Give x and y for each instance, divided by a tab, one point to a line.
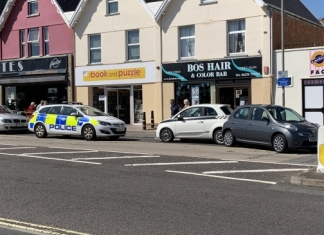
138	132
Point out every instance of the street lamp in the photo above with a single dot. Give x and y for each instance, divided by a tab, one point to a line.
283	48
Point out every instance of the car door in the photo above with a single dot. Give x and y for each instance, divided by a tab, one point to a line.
190	123
259	128
69	119
209	119
239	122
53	121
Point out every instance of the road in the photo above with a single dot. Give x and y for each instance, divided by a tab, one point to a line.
143	186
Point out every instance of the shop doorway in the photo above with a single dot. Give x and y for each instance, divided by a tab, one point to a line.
234	96
118	104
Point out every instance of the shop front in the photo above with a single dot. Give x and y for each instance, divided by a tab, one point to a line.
117	89
225	81
33	80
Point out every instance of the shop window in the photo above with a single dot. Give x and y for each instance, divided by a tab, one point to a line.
187	42
112	7
133	45
22	43
46	41
32	7
195	93
33	42
236	36
95	49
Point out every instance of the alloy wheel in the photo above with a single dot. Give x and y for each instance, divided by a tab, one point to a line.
228	138
278	143
166	135
218	137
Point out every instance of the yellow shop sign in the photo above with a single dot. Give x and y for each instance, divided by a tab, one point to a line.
114	74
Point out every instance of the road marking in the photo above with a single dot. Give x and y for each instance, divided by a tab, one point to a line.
222	177
180	163
108	158
47	158
276	163
255	171
18	148
106	151
44	153
37	228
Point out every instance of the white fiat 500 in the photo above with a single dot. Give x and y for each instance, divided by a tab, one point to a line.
203	121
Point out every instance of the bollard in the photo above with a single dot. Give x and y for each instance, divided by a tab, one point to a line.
320	150
144	121
152	119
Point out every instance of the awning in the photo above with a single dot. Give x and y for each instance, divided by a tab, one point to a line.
32	79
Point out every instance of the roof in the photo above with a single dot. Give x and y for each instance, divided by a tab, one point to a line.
154	6
68	5
295	7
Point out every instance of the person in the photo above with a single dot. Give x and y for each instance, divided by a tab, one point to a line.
32	107
45	102
186	103
40	104
174	108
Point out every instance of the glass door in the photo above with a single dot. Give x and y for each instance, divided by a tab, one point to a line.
118	104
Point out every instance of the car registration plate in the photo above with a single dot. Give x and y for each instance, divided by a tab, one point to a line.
18	124
120	129
313	139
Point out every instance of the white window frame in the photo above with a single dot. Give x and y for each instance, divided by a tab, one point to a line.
33	42
184	38
107	9
94	48
207	1
46	41
30	2
22	35
236	32
133	44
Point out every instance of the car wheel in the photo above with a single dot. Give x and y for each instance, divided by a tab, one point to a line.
40	131
218	137
88	132
229	139
114	137
166	135
279	143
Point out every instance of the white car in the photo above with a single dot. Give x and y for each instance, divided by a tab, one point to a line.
203	121
10	120
75	119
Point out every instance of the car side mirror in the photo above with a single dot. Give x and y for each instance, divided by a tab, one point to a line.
180	118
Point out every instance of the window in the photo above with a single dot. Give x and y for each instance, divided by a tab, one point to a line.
95	49
112	7
210	112
55	110
259	114
133	45
284	114
46	41
32	7
208	1
22	43
44	110
33	42
68	111
227	110
192	112
242	113
187	41
236	37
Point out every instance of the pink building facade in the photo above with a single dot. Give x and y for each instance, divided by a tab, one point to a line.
36	52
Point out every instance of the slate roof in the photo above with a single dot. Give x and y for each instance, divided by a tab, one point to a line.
296	7
68	5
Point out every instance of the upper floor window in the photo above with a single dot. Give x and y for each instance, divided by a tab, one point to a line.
112	7
22	43
95	48
187	41
236	37
133	45
33	42
46	41
32	7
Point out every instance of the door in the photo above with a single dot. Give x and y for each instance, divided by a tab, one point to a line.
119	104
258	128
70	121
53	120
239	122
192	124
313	101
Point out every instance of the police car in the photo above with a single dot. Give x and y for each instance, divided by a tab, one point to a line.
75	119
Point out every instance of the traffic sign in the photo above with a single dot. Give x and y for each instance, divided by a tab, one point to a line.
284	81
283	74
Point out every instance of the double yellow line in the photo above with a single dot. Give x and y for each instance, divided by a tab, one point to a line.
37	228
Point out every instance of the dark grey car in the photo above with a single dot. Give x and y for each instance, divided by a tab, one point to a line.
271	125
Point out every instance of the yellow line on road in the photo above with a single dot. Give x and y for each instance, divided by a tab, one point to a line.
38	228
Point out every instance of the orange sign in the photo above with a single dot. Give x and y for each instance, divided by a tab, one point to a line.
114	74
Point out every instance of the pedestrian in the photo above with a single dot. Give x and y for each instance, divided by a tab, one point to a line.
174	108
40	104
186	103
32	107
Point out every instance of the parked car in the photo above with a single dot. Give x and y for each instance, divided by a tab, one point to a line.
75	119
203	121
271	125
10	120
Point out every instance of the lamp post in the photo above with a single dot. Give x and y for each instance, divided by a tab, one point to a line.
283	48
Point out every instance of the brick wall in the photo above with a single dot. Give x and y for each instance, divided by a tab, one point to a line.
298	33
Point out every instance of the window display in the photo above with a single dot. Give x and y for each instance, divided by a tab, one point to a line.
195	93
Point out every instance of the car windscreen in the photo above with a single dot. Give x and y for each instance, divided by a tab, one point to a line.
226	109
4	109
285	114
91	111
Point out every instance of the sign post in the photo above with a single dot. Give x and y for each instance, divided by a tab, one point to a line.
320	150
283	81
283	47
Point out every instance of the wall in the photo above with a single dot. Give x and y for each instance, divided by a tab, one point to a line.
60	36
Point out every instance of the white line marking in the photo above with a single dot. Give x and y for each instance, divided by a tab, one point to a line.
255	171
47	158
18	148
276	163
108	158
222	177
92	151
107	151
37	227
180	163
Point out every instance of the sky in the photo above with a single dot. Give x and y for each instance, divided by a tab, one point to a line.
315	6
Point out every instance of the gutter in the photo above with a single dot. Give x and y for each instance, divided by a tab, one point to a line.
77	13
161	9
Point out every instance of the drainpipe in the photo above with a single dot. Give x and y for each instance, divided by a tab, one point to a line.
161	59
271	53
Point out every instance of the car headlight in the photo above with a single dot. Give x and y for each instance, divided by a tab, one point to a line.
291	127
5	120
104	123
